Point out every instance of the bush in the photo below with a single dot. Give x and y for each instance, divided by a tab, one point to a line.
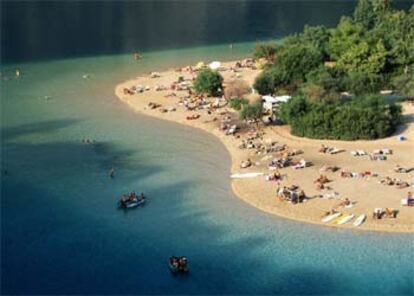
404	84
265	50
367	117
209	82
252	111
237	104
236	89
360	83
270	80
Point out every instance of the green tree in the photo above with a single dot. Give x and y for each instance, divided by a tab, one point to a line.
252	111
265	50
296	60
363	58
346	35
359	83
270	80
209	82
364	13
237	103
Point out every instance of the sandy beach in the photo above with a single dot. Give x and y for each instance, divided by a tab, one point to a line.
365	192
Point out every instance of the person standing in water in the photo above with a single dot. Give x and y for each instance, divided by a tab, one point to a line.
137	56
111	173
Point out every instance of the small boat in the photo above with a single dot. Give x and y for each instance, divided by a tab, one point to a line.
331	217
131	204
346	219
360	220
178	264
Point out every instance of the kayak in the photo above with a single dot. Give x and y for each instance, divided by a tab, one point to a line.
339	218
246	175
360	220
331	217
346	219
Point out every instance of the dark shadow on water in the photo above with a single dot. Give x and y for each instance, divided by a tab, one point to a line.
8	134
62	233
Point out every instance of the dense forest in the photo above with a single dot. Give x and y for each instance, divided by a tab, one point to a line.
336	74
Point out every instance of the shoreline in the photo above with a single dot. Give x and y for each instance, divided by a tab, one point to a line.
261	194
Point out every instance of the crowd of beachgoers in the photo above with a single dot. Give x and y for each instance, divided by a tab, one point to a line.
359	184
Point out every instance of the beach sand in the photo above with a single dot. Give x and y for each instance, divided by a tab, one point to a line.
367	193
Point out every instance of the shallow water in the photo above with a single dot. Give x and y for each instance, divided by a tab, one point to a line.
62	233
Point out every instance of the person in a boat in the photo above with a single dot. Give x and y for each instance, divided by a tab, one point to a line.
142	196
133	196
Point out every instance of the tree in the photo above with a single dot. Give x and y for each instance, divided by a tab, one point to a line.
359	83
404	83
237	104
270	80
208	81
346	35
265	50
367	117
297	60
363	59
364	13
252	111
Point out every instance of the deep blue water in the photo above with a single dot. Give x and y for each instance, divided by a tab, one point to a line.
33	30
62	234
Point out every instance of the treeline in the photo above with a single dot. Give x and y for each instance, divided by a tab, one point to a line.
371	51
368	117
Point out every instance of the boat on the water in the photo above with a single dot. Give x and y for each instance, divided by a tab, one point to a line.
178	264
131	204
346	219
131	201
331	217
361	219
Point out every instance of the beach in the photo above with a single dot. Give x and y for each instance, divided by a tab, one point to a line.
365	192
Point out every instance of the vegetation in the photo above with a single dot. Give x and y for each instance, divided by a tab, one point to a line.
237	104
367	117
209	82
253	111
265	50
365	53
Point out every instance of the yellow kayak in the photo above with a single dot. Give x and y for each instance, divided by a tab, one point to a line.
339	219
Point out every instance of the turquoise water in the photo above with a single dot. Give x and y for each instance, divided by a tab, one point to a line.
61	231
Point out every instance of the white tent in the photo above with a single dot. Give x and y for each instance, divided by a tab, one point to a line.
270	102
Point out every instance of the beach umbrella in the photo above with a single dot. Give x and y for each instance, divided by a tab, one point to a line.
214	65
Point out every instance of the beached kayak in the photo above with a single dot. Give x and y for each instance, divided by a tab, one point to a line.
246	175
331	217
360	220
346	219
336	220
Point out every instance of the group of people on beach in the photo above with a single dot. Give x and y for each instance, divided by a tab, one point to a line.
293	194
